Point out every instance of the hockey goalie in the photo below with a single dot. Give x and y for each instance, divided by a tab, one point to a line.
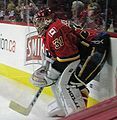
75	58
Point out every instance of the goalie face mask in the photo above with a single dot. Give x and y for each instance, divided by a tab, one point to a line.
42	20
42	24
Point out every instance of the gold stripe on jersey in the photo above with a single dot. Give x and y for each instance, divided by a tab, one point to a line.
86	62
97	65
85	44
68	59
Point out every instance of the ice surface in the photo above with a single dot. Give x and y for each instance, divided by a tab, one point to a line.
12	90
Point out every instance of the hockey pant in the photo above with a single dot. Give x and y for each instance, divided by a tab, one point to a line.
92	64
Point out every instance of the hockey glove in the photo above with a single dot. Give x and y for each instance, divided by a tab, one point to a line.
37	77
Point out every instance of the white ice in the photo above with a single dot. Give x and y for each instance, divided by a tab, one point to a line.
12	90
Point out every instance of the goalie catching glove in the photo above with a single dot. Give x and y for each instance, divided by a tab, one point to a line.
37	77
43	78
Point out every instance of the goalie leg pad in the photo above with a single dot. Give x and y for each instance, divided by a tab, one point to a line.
52	73
72	99
70	95
75	81
55	110
52	76
58	109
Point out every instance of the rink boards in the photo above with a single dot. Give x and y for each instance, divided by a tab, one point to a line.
106	110
21	53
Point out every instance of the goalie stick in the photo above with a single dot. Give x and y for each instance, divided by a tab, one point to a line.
23	110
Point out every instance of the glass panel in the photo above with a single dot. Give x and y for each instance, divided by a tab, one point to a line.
102	16
110	14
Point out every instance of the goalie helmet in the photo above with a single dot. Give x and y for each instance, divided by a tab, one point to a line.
42	19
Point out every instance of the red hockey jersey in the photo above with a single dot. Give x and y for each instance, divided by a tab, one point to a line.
61	41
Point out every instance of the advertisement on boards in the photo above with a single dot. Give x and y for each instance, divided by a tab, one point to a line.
34	49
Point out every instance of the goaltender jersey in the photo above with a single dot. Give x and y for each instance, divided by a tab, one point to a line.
61	40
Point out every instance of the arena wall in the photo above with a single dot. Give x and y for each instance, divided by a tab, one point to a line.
21	53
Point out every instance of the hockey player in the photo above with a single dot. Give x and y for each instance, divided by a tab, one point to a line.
65	46
77	9
93	18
